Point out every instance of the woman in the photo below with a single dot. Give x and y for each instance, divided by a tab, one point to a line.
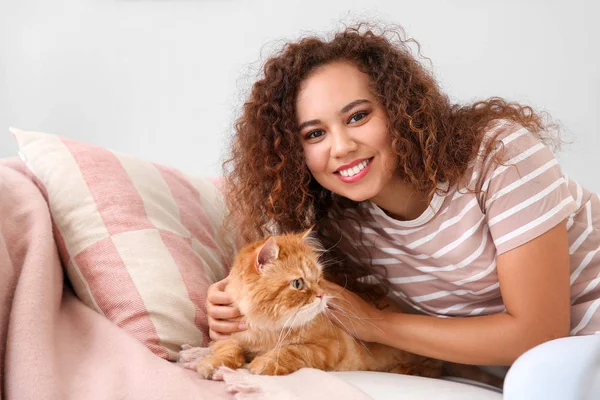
462	209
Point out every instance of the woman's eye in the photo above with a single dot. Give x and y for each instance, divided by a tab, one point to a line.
357	117
315	134
297	284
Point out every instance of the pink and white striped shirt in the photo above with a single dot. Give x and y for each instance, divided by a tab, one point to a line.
444	262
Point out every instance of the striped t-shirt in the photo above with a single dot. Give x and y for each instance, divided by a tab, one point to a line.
444	262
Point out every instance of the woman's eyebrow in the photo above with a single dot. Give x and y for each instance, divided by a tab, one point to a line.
353	104
309	123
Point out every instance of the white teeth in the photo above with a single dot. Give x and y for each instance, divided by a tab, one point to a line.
354	170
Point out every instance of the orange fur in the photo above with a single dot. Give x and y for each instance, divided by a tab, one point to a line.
288	328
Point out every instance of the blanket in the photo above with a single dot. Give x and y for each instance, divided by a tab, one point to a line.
54	347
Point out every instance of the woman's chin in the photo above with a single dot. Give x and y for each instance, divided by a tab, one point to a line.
358	197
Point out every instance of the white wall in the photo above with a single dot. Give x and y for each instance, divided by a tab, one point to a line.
162	79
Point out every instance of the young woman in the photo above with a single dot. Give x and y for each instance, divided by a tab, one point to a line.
461	210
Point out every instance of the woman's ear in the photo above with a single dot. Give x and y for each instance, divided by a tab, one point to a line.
266	254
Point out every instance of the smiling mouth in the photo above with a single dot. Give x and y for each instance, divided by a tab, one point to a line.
350	172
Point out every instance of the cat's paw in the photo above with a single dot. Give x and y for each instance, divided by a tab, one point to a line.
206	367
267	366
190	356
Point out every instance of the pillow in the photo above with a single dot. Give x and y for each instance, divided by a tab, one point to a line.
140	242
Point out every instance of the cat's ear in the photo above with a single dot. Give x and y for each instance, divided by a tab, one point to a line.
307	232
267	254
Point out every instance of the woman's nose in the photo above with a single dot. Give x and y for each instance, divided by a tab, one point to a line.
343	144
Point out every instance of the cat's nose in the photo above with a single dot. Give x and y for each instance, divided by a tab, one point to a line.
321	296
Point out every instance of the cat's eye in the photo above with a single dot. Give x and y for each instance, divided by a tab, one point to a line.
298	284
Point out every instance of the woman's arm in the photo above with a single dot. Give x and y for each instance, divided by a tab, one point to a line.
534	282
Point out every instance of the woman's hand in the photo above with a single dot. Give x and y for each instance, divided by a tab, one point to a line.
353	314
223	318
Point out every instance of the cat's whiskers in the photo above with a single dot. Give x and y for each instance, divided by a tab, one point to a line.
307	313
341	299
283	328
343	287
303	310
350	315
333	328
349	318
334	245
279	343
287	329
365	319
290	328
328	263
343	326
354	337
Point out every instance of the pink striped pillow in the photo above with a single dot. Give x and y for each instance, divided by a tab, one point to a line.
140	242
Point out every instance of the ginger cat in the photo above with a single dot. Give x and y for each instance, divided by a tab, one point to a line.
278	286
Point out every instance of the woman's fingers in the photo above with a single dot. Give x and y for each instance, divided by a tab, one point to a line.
217	295
220	313
225	327
223	282
223	312
216	335
219	298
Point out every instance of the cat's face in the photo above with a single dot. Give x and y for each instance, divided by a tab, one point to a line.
284	284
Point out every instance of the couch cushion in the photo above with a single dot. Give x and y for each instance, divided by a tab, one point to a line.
140	242
383	386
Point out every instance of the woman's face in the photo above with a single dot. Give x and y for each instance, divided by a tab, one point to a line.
344	132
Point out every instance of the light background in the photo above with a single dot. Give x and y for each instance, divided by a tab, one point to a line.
163	80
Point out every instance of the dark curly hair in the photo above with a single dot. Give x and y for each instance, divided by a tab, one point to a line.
270	189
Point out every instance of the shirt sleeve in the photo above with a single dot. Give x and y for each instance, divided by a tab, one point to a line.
525	194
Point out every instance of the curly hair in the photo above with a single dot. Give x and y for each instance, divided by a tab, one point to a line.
269	187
